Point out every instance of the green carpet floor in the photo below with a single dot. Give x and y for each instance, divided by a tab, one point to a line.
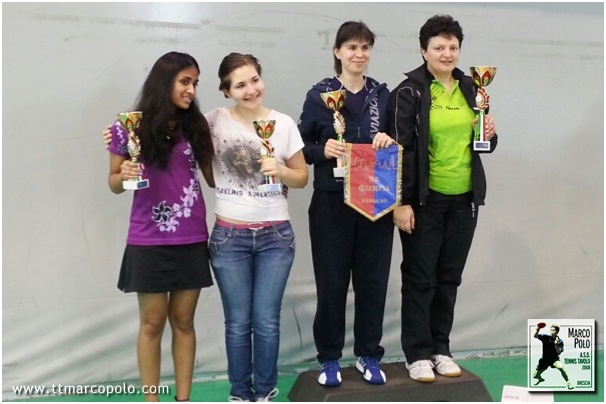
495	372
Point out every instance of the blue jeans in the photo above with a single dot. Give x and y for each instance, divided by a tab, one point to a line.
251	268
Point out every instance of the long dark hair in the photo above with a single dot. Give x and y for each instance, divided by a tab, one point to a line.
159	113
348	31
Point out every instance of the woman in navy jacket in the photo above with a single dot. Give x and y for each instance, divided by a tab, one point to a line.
346	245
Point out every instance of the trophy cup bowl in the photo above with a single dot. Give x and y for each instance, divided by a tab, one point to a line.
482	76
335	100
131	121
264	130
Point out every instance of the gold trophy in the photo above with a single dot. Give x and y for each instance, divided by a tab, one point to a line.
264	130
335	100
131	121
482	76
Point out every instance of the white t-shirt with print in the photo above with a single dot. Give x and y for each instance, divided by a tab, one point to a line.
236	167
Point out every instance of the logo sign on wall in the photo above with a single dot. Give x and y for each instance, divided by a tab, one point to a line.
561	354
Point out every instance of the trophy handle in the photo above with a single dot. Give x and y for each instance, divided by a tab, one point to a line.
482	99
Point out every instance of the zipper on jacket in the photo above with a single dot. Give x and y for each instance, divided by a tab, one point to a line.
473	209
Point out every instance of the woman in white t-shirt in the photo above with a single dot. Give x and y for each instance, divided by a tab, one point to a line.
252	244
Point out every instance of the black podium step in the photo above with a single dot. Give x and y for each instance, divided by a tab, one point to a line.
399	387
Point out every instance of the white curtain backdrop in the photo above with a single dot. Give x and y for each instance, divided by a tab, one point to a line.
68	68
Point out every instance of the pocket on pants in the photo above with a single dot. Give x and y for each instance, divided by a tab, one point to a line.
219	239
285	235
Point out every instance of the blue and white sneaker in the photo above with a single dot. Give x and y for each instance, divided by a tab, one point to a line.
330	374
371	371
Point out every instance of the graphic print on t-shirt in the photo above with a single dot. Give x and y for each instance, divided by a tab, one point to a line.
238	162
168	215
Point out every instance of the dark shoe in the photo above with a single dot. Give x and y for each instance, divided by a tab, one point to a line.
371	371
330	374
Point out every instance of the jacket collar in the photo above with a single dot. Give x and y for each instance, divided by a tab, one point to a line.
334	84
422	75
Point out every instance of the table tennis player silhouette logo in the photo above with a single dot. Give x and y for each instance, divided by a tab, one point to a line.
561	354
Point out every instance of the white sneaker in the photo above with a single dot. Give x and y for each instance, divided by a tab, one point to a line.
445	366
273	393
421	371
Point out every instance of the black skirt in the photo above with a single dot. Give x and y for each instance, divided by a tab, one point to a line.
157	269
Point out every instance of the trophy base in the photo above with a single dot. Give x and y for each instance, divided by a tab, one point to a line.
270	188
481	145
134	185
339	172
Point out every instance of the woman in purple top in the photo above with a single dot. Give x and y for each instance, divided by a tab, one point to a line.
166	257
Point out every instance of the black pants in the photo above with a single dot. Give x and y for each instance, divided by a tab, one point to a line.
434	256
346	245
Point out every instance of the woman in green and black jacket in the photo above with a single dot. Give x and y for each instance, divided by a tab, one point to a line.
432	117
